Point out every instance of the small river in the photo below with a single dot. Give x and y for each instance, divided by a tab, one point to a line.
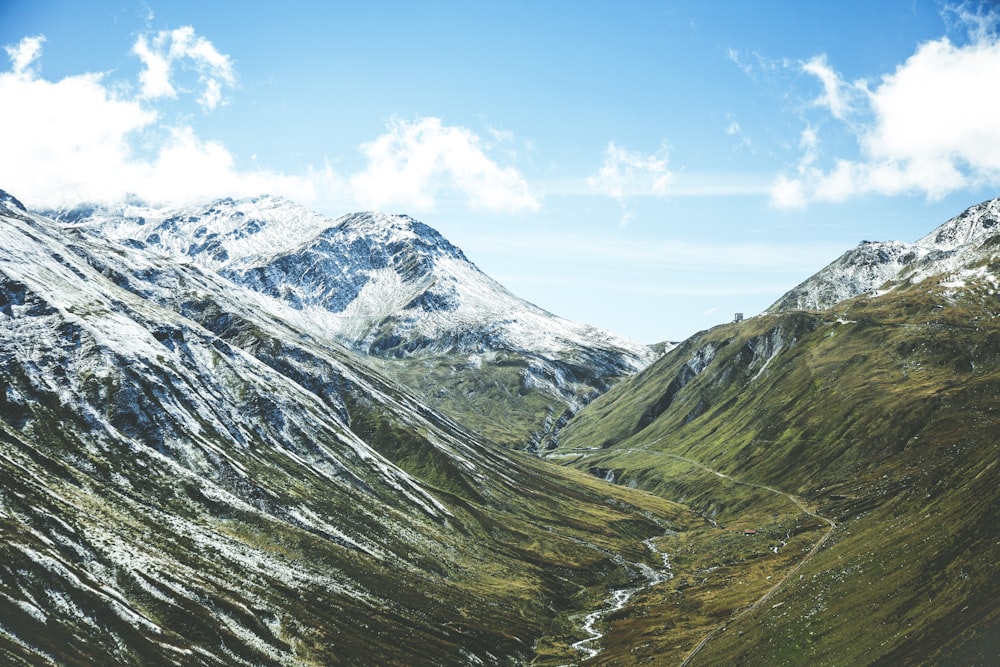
590	647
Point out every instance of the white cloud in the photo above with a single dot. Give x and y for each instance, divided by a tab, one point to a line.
788	192
79	139
836	94
75	140
416	163
932	128
155	79
24	54
202	169
942	104
629	173
182	48
58	137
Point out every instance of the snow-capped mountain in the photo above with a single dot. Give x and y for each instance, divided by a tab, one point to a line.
871	266
354	273
386	285
191	473
187	477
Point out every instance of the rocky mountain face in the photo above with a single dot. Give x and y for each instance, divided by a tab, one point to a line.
188	477
846	459
392	287
875	265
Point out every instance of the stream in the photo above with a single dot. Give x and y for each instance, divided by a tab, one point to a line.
619	598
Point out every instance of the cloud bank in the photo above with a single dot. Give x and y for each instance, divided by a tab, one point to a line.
81	139
930	127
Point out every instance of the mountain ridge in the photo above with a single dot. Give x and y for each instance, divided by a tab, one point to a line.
878	415
393	288
873	265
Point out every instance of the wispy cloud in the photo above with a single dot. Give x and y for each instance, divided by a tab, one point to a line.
182	48
930	127
742	140
626	174
92	142
753	63
631	174
661	255
24	55
837	94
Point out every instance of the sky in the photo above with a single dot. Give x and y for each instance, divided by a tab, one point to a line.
647	167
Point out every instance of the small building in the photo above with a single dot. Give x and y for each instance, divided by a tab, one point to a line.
737	318
750	531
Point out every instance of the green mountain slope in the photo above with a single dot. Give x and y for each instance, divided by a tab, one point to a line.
188	478
870	430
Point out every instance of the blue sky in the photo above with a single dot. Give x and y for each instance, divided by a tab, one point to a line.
647	167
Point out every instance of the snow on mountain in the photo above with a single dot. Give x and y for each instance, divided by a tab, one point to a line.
388	286
223	233
69	323
379	282
187	477
878	265
8	201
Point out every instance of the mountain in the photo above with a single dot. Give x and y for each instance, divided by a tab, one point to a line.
201	464
875	265
845	459
188	477
393	288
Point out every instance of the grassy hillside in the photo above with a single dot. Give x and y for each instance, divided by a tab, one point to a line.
870	430
498	398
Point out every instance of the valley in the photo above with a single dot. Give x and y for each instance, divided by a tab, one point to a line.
221	444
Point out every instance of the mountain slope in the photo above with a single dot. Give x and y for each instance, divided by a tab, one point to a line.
876	264
857	445
186	477
392	287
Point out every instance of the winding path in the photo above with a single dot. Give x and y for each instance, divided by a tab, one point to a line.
798	502
771	591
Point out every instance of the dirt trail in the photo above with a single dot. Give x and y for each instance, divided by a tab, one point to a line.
771	591
798	502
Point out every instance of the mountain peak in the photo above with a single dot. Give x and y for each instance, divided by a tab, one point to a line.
972	226
874	264
385	285
388	228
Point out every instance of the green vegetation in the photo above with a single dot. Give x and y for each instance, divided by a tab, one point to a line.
490	399
494	398
881	417
186	480
218	499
